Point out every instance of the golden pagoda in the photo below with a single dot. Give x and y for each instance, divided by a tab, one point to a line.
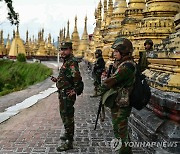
110	31
61	35
17	46
27	47
8	45
53	50
84	42
2	48
48	46
75	38
67	39
114	27
133	15
97	35
41	51
166	64
157	24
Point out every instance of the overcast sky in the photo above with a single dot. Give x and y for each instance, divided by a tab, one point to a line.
52	15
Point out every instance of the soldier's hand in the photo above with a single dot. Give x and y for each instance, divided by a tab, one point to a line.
53	79
71	92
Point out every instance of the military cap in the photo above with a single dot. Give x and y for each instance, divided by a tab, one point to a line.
122	44
148	41
98	51
66	45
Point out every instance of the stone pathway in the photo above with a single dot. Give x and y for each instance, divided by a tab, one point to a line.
36	130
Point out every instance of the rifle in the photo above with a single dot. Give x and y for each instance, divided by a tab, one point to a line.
101	106
98	113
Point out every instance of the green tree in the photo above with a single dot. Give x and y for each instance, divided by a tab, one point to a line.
21	57
13	17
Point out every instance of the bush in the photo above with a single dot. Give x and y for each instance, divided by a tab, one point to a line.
21	57
15	76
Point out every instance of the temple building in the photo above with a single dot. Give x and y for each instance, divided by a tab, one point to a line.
84	42
2	47
75	38
17	46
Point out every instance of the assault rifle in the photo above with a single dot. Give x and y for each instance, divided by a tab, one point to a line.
101	106
98	113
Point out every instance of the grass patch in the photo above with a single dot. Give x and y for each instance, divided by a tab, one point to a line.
16	76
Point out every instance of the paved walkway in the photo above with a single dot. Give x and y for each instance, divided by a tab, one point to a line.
36	130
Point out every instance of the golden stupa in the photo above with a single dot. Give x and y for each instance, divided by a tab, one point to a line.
8	45
17	45
75	38
84	42
68	39
41	50
2	47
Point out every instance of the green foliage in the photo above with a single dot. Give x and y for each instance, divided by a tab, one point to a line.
13	17
21	57
15	76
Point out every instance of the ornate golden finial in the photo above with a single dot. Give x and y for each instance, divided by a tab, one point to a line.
105	6
42	34
110	8
75	26
64	35
13	33
1	36
49	38
67	36
27	36
95	13
17	28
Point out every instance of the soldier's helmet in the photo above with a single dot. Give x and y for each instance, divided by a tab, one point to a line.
99	52
148	41
123	45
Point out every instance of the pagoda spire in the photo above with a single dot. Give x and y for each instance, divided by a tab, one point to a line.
67	35
105	12
27	36
99	17
75	37
85	34
64	34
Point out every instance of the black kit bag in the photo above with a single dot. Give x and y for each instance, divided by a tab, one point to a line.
141	92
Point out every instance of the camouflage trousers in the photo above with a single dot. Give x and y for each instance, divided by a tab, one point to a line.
120	126
97	81
66	108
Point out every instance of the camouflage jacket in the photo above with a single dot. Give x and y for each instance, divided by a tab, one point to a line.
99	66
142	62
121	81
69	75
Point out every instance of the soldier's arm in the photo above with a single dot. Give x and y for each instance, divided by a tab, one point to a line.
119	77
75	74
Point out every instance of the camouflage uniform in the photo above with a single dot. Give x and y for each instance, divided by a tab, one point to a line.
121	80
143	62
68	79
99	67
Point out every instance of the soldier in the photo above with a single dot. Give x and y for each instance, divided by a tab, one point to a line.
121	81
99	67
68	87
143	62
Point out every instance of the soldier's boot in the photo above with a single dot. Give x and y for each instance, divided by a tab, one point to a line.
64	137
65	146
95	94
